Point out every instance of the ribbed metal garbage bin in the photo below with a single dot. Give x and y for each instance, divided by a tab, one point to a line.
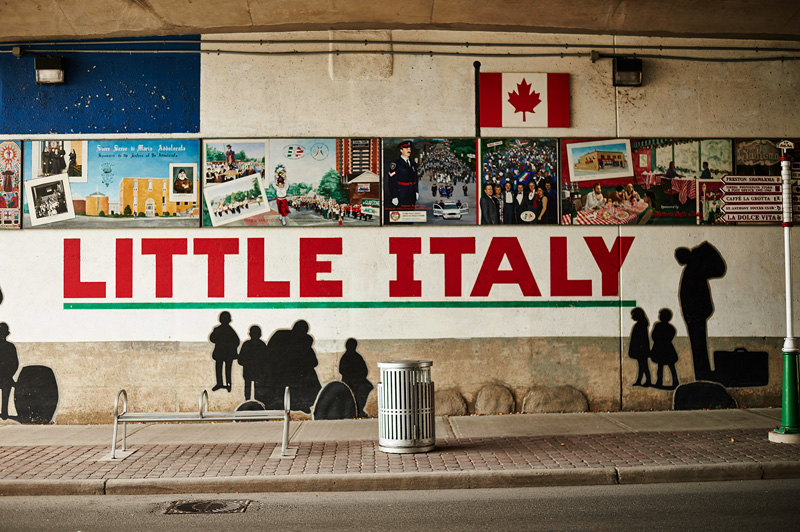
406	407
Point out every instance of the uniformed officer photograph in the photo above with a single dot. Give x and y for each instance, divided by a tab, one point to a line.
402	179
420	176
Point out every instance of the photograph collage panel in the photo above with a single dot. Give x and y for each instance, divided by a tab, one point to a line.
118	183
293	182
430	181
519	182
644	181
10	184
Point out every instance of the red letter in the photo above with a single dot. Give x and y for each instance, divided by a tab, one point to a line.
609	260
452	249
73	286
164	249
256	285
216	249
519	274
560	284
124	284
310	286
405	249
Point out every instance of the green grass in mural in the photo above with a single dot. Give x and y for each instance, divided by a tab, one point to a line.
615	303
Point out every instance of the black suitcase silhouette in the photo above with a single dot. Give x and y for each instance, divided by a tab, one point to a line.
741	368
36	395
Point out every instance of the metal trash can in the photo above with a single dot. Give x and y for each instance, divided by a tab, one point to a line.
406	407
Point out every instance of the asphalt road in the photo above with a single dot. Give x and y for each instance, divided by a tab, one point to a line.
729	506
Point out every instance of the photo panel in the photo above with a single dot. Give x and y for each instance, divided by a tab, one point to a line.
125	183
10	184
598	186
664	188
59	157
235	200
519	182
50	200
430	181
306	182
183	183
228	160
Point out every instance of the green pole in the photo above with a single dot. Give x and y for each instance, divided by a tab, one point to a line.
790	414
789	431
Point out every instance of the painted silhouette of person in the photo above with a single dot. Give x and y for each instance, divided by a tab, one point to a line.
294	363
663	352
9	363
354	374
253	359
701	263
226	343
639	347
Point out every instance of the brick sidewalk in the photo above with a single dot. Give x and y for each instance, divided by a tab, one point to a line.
350	458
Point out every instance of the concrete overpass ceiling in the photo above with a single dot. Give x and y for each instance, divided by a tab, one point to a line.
31	20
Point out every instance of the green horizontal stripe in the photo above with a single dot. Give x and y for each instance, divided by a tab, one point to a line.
615	303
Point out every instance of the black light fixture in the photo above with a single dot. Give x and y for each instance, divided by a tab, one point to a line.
49	70
627	72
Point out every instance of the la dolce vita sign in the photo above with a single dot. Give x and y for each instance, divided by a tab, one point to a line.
270	272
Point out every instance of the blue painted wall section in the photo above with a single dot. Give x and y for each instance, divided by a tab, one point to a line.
104	92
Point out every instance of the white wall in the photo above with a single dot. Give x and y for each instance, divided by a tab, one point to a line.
325	95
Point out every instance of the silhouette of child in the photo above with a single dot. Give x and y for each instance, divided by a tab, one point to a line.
663	352
9	363
639	347
226	342
253	359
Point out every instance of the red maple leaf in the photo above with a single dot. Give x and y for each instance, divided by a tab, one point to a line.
523	100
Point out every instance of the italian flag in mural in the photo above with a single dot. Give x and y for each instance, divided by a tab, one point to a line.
512	99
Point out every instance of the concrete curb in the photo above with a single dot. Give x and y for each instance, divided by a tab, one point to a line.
366	482
52	487
776	470
407	481
689	473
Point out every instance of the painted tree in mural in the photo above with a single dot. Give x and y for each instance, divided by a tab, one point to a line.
331	187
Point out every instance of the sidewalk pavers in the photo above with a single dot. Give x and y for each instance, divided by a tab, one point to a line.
610	450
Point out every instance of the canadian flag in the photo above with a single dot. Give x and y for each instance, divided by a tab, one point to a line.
511	99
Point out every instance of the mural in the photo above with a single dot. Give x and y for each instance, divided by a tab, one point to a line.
429	181
10	179
354	374
35	390
289	359
736	368
111	183
226	344
645	181
523	177
302	182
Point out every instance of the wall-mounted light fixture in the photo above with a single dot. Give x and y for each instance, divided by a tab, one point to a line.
627	72
49	70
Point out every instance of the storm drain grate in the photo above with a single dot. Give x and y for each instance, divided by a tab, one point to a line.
207	507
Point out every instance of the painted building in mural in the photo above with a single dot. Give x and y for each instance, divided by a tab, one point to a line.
95	204
279	283
149	197
597	160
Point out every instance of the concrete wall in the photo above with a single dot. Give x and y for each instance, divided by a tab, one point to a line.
162	355
408	96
